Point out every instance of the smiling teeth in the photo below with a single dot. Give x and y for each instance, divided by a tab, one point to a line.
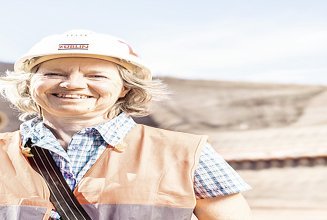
72	96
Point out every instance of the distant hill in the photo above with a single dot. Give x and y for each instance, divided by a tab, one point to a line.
203	105
6	66
254	122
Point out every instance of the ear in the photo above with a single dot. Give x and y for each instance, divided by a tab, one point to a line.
123	92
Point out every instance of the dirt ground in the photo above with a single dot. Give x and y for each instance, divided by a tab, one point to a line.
287	193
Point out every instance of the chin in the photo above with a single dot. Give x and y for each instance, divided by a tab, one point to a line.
72	112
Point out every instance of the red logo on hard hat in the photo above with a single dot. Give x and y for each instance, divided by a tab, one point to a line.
131	52
73	47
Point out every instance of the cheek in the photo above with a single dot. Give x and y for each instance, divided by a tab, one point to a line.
37	87
108	90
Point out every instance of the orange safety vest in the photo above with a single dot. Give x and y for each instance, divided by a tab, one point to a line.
151	179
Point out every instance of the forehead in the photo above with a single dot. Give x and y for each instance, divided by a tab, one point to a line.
78	62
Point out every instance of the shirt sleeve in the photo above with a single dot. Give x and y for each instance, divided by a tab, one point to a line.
215	177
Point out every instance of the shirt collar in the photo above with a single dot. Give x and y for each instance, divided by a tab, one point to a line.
115	130
112	131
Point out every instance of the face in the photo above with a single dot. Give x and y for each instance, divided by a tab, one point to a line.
77	87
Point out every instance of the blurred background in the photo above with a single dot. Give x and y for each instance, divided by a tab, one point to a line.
250	74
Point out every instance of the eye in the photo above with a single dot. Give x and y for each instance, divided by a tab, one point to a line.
98	76
53	74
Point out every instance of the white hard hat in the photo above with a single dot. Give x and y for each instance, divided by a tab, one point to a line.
83	43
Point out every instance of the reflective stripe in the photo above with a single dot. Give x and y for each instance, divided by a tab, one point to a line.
136	212
102	212
15	212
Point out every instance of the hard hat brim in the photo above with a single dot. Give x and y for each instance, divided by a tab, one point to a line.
26	64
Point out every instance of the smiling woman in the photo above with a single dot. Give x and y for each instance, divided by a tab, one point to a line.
94	161
77	87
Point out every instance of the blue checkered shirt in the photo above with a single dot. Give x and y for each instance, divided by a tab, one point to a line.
213	176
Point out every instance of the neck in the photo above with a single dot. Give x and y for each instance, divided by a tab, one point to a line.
64	128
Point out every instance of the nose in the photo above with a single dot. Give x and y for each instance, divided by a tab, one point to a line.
74	81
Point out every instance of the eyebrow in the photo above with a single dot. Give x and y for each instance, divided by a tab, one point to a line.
95	72
86	72
51	69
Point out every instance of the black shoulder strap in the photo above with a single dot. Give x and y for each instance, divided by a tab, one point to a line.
61	195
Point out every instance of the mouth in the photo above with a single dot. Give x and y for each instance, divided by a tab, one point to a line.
71	96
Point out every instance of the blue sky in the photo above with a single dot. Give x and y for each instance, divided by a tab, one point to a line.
265	41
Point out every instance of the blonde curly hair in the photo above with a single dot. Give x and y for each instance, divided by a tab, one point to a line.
15	87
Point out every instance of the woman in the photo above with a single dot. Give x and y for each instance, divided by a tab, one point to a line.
77	92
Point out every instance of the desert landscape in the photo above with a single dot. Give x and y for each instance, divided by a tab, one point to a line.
275	135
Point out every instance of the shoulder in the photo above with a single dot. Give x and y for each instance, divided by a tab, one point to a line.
9	137
170	142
